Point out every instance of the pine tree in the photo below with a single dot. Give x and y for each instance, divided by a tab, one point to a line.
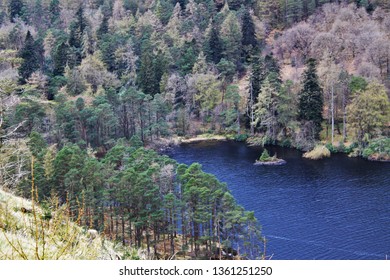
55	11
259	73
38	15
15	8
248	30
232	37
214	46
266	108
60	59
30	58
249	41
103	28
188	57
147	74
159	63
75	41
163	10
311	98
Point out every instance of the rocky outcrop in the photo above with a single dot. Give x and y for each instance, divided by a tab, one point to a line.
273	162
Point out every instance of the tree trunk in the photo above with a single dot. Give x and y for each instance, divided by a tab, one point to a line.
344	119
123	229
332	112
251	109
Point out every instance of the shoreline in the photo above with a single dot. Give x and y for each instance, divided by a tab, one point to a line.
201	138
165	144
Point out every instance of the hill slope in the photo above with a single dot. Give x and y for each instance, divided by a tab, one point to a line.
45	235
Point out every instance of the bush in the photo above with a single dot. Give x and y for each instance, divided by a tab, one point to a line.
267	140
331	148
378	149
368	152
350	148
240	137
286	143
254	141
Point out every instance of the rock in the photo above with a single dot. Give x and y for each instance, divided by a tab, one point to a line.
275	162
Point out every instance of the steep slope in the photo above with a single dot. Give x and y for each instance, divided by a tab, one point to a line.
35	233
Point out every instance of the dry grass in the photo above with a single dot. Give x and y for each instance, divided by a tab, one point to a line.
318	152
202	137
29	232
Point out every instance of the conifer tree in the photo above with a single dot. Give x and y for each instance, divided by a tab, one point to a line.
60	59
77	28
15	8
248	30
231	36
147	74
266	108
55	11
214	45
163	10
103	28
188	57
30	58
311	98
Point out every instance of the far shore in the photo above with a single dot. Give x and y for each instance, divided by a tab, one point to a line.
201	138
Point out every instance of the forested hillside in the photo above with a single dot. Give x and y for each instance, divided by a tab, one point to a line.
85	85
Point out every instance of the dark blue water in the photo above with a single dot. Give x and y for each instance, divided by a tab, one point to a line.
337	208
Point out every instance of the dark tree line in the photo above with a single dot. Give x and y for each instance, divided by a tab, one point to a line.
137	197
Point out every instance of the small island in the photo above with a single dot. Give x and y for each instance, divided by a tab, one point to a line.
266	159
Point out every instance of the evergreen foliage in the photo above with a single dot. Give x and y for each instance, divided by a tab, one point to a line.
30	58
214	45
75	40
55	11
265	155
248	30
15	9
60	59
101	79
311	98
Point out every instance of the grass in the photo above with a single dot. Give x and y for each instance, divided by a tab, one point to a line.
29	232
318	152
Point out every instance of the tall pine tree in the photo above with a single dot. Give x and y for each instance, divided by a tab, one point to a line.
60	59
103	28
151	70
249	41
77	28
248	30
30	58
15	9
311	98
55	11
214	46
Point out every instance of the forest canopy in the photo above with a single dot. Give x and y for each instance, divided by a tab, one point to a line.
86	86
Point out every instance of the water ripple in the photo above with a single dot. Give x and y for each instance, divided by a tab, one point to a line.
338	208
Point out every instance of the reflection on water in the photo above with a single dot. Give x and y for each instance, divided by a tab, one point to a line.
337	208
